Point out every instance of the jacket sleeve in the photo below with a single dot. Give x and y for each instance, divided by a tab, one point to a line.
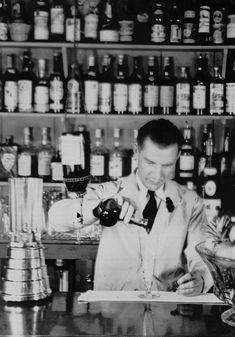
197	232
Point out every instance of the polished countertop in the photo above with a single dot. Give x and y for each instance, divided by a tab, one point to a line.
64	315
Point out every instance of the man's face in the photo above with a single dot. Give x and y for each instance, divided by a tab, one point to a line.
156	164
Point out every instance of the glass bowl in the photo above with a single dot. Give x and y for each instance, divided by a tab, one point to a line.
223	273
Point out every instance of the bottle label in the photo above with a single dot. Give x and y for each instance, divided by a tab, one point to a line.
189	32
151	96
107	35
231	30
73	97
166	96
176	34
97	165
120	97
56	95
8	160
25	91
115	167
3	31
201	165
158	33
72	35
11	95
182	98
218	33
216	98
199	97
230	98
204	20
56	171
41	23
44	163
41	99
126	30
57	20
24	164
91	95
105	98
135	98
210	188
186	163
91	26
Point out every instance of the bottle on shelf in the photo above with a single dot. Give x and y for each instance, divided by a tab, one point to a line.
108	23
134	159
27	157
175	24
91	87
229	89
57	20
216	92
219	14
120	88
56	167
99	159
167	88
8	158
73	24
19	13
158	23
73	90
116	157
151	89
183	92
189	23
210	148
45	153
5	16
41	92
91	20
142	24
56	85
125	21
225	160
230	29
26	85
41	20
202	156
135	85
10	84
106	86
204	31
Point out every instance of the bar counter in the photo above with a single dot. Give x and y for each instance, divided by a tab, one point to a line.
63	315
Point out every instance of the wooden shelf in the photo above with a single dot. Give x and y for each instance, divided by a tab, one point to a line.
49	185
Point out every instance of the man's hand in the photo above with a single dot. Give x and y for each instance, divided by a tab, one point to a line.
190	284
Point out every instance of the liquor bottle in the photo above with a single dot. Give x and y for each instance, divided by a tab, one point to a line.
216	105
189	23
73	90
183	90
200	89
8	159
229	89
125	21
225	160
204	35
45	153
167	88
41	92
56	85
218	22
27	157
158	24
56	168
10	83
135	91
41	20
202	156
99	159
134	159
210	148
91	87
120	88
105	86
91	20
116	157
19	13
57	20
73	24
26	84
5	16
108	24
175	24
142	24
151	89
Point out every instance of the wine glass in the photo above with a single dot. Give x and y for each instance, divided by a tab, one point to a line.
75	156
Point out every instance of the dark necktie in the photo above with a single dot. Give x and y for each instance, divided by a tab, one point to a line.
150	210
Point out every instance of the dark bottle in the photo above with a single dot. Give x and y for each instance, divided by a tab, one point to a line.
57	20
91	87
8	159
26	84
219	14
175	24
158	24
200	89
125	21
183	90
41	15
91	20
217	93
73	90
56	168
187	157
204	33
27	157
5	16
225	160
151	89
56	85
10	80
108	24
45	153
202	156
105	86
19	13
167	88
99	159
142	26
120	88
135	92
189	23
229	89
41	92
210	148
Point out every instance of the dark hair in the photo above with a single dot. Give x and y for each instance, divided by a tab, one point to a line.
160	131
